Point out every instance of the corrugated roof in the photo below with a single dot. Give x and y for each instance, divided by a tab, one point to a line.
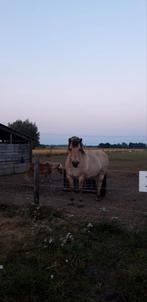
6	131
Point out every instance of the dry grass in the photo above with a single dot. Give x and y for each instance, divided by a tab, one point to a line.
50	151
63	151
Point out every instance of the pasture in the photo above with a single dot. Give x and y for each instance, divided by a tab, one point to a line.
75	252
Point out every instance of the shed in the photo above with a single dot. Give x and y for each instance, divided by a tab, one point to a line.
15	151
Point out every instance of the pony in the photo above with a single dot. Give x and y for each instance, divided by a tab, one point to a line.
81	164
45	169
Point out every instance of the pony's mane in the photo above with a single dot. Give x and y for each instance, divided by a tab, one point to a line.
75	141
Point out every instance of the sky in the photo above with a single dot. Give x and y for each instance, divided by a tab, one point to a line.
75	67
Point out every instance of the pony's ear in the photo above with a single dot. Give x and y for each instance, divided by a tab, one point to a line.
81	146
69	142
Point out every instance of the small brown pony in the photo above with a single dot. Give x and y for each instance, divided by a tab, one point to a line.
82	164
45	169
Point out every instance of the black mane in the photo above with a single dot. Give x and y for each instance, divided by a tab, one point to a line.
75	141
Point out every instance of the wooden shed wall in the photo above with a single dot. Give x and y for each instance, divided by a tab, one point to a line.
14	158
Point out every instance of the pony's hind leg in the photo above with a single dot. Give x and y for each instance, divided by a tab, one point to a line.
103	187
71	187
81	183
100	184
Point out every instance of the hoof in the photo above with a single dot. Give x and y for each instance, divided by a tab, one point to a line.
98	198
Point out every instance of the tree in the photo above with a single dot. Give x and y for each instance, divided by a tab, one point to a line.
27	128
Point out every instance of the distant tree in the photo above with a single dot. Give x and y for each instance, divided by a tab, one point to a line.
137	145
123	145
104	145
27	128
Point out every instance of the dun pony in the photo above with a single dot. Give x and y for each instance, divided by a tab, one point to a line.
82	164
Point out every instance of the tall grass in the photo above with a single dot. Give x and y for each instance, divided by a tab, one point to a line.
62	151
50	152
56	259
119	159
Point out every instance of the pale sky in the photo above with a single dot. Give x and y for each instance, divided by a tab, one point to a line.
75	67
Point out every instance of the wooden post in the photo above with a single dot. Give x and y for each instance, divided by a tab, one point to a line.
10	138
36	180
30	151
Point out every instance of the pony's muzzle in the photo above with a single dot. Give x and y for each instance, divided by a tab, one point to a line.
60	169
75	163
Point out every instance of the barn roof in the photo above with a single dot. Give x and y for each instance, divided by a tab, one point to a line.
9	135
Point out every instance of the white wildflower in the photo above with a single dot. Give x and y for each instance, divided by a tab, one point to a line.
115	218
69	236
70	215
50	240
89	225
103	209
51	276
66	260
1	267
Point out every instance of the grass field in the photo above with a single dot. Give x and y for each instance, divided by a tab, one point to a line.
48	257
50	151
134	160
63	151
119	159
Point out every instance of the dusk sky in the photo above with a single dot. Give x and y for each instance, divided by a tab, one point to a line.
75	67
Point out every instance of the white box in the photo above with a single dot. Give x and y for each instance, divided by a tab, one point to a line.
142	181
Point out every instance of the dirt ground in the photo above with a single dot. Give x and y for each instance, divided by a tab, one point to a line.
123	202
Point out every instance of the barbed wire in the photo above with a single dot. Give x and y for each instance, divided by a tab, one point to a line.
103	207
53	186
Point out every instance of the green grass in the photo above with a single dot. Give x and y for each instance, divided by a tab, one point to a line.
119	160
59	259
135	160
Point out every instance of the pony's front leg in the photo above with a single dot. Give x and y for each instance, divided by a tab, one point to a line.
81	183
71	186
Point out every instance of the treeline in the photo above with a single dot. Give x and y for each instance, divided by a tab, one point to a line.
103	145
123	145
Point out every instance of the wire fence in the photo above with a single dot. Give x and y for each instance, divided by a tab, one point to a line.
122	201
117	180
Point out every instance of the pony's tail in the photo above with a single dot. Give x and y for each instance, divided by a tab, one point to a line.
103	187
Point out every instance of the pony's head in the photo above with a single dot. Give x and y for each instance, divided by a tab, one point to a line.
57	166
75	148
60	168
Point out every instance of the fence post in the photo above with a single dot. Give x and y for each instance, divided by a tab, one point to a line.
36	180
